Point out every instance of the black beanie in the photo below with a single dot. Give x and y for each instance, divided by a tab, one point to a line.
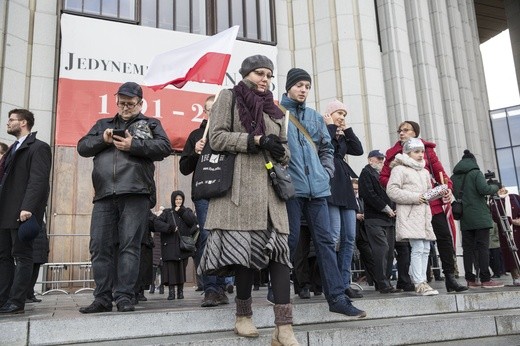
416	128
296	75
468	155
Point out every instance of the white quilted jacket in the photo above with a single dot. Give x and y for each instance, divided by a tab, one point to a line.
408	181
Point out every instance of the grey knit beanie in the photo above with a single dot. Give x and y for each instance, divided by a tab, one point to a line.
253	62
296	75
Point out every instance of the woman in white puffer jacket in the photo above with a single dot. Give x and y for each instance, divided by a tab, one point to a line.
409	180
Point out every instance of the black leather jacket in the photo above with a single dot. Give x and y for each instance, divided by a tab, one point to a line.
119	172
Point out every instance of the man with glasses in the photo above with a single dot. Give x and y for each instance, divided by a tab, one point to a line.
124	148
24	190
410	129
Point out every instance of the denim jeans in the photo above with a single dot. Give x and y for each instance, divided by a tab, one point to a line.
116	230
343	223
211	282
316	213
419	259
15	279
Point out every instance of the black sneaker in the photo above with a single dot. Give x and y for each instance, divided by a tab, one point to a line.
95	307
210	300
343	306
305	293
352	293
125	306
222	298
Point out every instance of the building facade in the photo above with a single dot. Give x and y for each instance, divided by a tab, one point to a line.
387	60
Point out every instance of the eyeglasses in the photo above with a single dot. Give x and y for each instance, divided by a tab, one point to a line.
403	130
262	74
207	110
13	119
128	105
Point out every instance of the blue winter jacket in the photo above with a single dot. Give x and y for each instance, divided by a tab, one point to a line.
310	169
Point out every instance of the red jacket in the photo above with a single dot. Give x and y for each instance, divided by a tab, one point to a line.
432	162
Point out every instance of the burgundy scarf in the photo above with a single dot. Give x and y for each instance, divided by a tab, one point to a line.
251	106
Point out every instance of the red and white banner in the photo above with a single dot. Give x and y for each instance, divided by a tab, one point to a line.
97	56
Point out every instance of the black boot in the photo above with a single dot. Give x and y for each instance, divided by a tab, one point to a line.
171	293
161	289
152	289
453	285
180	293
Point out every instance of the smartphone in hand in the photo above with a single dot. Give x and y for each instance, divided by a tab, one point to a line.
118	132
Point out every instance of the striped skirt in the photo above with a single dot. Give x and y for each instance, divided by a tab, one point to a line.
252	249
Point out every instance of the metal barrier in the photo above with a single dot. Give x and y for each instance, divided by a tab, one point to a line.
57	271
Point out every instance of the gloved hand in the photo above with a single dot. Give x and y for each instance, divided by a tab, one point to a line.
272	144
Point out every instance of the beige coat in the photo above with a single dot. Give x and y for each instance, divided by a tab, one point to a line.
251	202
408	181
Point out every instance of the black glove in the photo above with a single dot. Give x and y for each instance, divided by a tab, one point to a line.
273	144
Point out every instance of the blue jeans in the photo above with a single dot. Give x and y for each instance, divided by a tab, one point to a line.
316	213
211	282
343	223
116	230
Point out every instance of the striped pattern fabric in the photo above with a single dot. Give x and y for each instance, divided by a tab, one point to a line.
252	249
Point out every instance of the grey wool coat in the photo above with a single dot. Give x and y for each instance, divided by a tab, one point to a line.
408	181
251	202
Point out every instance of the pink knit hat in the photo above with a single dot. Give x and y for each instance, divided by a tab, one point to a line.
334	106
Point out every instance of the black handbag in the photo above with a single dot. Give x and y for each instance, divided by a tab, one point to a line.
187	243
213	175
280	179
457	208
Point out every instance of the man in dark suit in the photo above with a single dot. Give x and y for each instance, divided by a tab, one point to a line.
24	189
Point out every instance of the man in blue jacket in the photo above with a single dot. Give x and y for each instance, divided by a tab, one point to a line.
124	148
311	168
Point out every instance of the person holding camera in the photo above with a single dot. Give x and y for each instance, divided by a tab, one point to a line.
124	148
476	220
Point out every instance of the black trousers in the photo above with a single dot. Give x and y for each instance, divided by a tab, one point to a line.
14	279
402	255
365	252
381	237
475	246
444	242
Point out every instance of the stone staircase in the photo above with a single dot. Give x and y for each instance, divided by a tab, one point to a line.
476	317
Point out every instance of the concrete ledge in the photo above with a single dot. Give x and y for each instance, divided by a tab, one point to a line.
488	300
13	333
509	324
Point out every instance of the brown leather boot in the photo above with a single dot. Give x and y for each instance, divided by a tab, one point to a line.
244	323
283	333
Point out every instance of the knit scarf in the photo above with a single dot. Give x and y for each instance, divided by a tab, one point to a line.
252	103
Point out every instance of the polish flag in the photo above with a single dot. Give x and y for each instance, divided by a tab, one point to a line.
205	61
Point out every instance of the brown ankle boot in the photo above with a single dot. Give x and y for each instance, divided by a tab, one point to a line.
244	323
283	334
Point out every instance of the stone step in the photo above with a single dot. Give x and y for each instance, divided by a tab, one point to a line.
56	320
62	324
491	327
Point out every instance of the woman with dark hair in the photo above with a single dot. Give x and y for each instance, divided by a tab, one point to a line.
172	223
406	130
248	227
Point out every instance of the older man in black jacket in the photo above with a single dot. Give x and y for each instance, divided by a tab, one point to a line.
379	221
124	148
24	189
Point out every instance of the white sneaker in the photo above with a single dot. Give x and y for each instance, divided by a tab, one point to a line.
429	291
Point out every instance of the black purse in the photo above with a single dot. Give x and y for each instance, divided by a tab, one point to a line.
187	243
280	179
457	208
213	175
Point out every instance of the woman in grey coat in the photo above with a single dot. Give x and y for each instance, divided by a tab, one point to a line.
249	226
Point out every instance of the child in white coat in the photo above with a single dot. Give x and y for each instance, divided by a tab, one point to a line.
409	180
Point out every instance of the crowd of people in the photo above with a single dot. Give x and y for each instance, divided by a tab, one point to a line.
398	205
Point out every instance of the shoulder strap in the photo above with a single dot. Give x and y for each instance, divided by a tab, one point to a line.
233	100
300	127
461	192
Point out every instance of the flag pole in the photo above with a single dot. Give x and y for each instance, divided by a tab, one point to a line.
209	117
